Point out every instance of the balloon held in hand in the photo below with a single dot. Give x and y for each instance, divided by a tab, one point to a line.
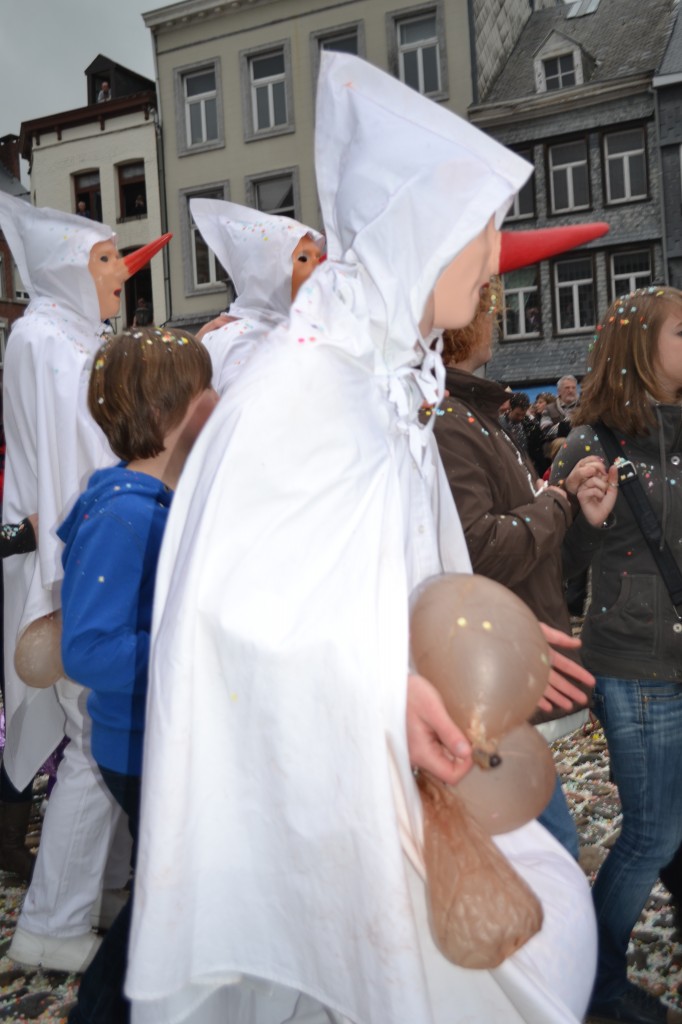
483	650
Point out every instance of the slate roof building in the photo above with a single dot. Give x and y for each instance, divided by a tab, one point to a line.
668	86
576	98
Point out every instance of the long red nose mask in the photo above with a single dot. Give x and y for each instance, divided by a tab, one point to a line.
134	261
523	248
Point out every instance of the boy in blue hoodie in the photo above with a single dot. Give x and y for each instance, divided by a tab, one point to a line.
150	392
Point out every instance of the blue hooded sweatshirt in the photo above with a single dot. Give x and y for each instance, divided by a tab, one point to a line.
112	539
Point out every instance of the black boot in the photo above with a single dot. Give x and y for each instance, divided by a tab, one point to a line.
14	856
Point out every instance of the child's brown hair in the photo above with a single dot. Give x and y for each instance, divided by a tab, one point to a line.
141	385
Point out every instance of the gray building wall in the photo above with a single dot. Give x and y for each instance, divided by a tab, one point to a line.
193	32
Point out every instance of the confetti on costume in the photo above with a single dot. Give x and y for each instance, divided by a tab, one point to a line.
256	250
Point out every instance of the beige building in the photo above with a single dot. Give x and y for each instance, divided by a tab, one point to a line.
101	160
236	86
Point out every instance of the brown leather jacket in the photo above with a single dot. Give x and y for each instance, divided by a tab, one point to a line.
514	536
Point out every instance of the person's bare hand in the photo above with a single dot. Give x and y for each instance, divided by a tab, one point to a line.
561	691
214	324
433	740
597	496
33	520
584	471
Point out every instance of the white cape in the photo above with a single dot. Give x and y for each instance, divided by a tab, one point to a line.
276	783
232	345
53	444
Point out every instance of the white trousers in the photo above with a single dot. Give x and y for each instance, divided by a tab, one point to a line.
81	822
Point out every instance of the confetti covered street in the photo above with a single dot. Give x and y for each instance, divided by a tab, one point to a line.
655	956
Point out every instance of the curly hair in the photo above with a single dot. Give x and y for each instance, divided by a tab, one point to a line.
458	343
141	385
622	378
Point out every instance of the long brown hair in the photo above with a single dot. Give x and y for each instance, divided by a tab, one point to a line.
622	378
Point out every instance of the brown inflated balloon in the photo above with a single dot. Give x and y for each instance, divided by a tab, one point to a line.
480	910
517	790
37	657
483	650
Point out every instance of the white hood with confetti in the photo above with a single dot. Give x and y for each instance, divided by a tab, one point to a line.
256	250
53	444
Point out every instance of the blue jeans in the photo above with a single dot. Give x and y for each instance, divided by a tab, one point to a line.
558	821
642	721
100	995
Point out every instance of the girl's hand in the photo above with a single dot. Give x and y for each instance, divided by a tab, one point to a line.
597	496
584	471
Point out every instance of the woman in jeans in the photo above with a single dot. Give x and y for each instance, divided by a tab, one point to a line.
632	636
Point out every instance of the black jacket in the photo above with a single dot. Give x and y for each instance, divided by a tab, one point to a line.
631	630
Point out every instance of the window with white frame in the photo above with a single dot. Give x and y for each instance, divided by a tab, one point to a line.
569	176
20	293
419	58
267	73
630	270
201	106
207	272
341	41
625	162
521	304
275	194
559	71
574	294
523	205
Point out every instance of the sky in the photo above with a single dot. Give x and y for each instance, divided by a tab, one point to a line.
46	45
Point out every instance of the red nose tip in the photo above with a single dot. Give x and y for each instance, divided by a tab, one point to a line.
134	261
522	248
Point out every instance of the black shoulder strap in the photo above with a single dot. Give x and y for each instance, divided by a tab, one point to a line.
645	517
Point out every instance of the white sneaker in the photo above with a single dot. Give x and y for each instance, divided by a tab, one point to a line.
107	907
72	955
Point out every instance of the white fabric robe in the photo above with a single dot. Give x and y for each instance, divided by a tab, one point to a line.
281	827
53	444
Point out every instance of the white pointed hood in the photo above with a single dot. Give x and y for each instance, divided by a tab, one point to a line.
255	249
51	250
404	185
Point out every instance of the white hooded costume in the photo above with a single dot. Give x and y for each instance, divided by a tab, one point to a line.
280	854
53	446
255	249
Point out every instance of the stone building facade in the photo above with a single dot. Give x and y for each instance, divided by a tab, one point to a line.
575	97
101	160
237	99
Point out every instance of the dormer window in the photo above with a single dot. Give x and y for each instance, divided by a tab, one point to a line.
559	72
561	63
